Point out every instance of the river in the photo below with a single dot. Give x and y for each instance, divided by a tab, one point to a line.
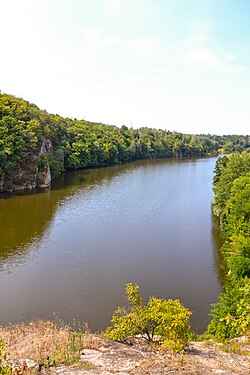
70	250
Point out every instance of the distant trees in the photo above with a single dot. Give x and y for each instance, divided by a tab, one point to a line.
233	143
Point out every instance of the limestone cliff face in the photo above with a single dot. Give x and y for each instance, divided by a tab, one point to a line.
29	175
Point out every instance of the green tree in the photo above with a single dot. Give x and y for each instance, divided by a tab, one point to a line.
231	315
237	209
236	166
167	318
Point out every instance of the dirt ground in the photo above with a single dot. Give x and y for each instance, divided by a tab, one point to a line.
29	345
115	358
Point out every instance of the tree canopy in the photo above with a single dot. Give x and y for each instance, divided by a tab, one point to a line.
81	144
231	315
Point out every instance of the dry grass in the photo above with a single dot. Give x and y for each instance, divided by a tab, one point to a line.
239	346
46	342
55	343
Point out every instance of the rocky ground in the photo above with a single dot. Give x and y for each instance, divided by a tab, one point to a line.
41	347
108	358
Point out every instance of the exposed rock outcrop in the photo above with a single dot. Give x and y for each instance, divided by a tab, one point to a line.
31	173
115	358
44	347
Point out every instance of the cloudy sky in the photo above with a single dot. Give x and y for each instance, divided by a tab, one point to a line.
180	65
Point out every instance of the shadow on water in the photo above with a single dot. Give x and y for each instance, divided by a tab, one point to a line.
217	242
24	216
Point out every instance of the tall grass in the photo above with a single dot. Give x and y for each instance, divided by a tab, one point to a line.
48	343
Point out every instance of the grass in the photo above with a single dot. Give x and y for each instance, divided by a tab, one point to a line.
52	343
235	346
48	343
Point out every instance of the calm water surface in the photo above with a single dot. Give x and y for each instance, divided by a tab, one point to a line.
71	250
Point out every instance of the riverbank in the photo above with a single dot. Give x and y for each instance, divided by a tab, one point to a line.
52	348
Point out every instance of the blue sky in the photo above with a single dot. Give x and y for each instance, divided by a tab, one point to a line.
180	65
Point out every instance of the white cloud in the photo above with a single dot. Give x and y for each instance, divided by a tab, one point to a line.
204	57
201	51
112	4
98	36
139	45
163	69
142	78
198	39
94	33
134	78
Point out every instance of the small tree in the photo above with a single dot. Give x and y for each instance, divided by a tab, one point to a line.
167	318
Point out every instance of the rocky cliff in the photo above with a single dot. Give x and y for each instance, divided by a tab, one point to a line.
31	173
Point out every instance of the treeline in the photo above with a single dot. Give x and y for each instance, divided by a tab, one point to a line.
231	315
233	143
81	144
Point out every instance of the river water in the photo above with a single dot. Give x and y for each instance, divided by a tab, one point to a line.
72	249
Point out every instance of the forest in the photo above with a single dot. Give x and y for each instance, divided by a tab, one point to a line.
83	144
231	315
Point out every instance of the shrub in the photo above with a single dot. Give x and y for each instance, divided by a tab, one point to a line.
167	318
231	315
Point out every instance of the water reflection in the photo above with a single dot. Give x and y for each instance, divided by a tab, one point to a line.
25	216
217	243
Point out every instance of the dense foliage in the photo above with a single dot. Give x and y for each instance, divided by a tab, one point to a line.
21	130
231	315
167	318
81	144
233	143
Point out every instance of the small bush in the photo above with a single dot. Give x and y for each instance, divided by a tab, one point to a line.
167	318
